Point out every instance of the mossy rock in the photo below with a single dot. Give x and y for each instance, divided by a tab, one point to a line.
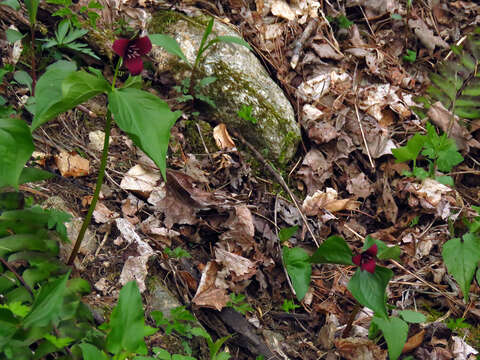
241	80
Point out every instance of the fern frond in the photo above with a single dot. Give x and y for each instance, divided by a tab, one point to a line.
457	83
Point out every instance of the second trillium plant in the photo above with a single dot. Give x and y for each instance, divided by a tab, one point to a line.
368	284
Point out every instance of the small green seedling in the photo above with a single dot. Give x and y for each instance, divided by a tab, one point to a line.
289	305
246	114
239	303
440	152
177	253
411	56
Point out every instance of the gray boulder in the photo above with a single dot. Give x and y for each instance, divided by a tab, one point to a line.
241	80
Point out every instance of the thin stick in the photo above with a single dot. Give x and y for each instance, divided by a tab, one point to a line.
18	276
363	137
203	142
280	180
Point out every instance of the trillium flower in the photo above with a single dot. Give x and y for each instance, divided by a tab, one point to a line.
366	260
131	51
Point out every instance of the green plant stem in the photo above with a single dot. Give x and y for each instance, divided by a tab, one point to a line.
34	70
101	174
96	194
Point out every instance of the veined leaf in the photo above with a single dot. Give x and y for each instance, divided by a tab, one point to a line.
298	268
170	45
461	257
146	119
395	332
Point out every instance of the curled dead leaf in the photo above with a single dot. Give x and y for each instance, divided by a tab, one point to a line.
222	137
72	164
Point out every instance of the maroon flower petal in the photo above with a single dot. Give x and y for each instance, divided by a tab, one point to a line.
372	250
144	45
134	65
120	47
357	259
369	266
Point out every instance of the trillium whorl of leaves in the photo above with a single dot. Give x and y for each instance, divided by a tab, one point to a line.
131	51
366	260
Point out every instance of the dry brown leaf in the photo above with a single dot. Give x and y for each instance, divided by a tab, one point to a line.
445	120
281	9
235	263
359	186
140	180
315	170
102	214
390	208
222	138
208	295
325	51
414	341
425	35
72	164
359	349
319	201
240	228
322	132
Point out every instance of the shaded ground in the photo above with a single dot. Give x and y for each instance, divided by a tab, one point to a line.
220	202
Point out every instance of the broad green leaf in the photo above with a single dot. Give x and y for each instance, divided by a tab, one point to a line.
369	289
32	8
385	252
206	81
30	174
91	352
16	147
286	233
162	354
49	90
299	269
127	322
395	332
133	81
47	303
411	150
12	3
334	250
23	78
13	35
461	258
182	357
79	285
8	327
146	119
198	331
170	45
20	242
412	316
77	87
11	201
445	180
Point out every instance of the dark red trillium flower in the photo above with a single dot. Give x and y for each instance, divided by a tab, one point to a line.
131	51
366	260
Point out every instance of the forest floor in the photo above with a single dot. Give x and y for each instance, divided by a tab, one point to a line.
352	71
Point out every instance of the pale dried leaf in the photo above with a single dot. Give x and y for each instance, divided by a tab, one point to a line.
445	120
140	180
102	214
135	268
127	230
461	350
281	9
96	139
222	137
235	263
72	164
359	349
208	295
320	201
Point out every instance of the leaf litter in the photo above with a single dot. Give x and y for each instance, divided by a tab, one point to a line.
354	94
